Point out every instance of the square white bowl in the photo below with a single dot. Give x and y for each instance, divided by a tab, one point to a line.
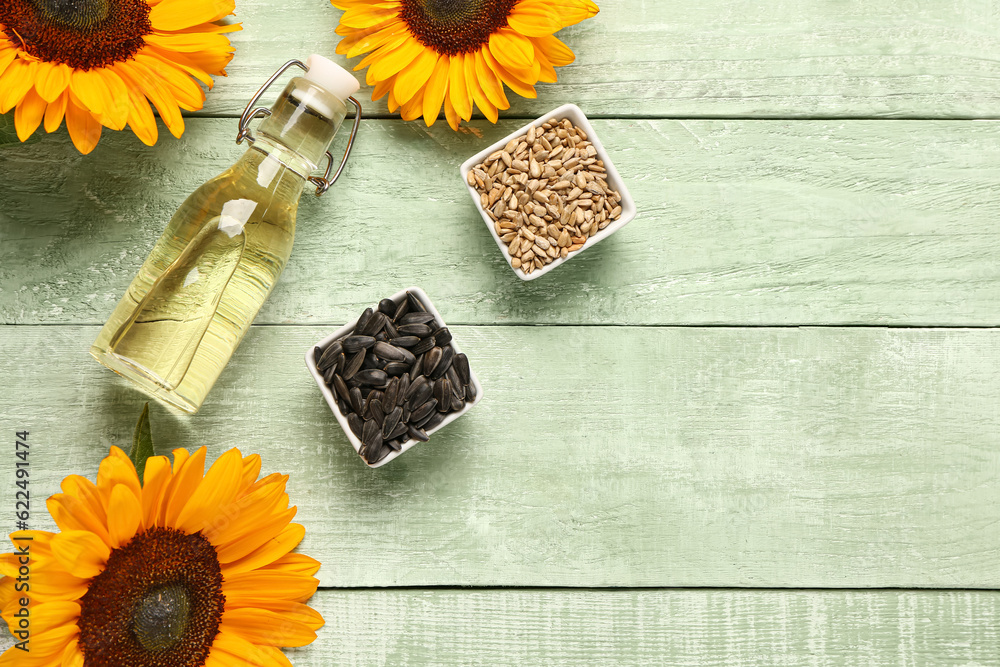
332	400
577	117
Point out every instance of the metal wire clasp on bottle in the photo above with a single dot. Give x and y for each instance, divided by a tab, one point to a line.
323	182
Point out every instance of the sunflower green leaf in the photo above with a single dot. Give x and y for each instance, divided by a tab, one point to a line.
142	443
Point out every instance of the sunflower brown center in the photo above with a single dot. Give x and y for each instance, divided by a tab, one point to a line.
451	27
158	603
84	34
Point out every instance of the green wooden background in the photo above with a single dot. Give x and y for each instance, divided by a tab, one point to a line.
759	426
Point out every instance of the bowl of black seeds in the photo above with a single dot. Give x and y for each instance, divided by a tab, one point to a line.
394	376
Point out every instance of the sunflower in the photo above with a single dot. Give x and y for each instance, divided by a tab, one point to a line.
182	571
97	62
425	53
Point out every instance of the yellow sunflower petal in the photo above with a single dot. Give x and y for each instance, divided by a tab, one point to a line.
413	77
15	82
152	86
395	60
267	628
51	80
187	41
478	95
51	642
72	656
516	84
388	47
69	512
555	50
282	543
512	50
6	58
58	585
491	84
436	89
269	584
29	114
572	12
368	16
534	18
81	553
247	511
186	480
547	72
451	115
103	94
231	650
49	616
251	470
88	494
295	564
363	43
295	610
264	530
54	113
219	487
157	475
180	14
458	90
188	94
117	468
124	515
412	109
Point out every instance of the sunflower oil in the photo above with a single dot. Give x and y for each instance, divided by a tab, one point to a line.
199	290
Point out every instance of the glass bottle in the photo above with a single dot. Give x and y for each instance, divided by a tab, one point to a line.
207	276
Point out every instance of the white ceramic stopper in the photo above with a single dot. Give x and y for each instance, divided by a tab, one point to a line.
331	77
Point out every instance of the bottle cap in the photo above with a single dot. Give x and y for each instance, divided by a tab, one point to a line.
331	77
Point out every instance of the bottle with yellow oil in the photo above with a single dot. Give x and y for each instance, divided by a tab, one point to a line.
199	290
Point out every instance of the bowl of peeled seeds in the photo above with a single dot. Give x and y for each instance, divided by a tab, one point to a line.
548	191
394	376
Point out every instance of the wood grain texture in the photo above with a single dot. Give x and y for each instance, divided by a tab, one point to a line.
677	628
785	58
690	628
600	456
741	222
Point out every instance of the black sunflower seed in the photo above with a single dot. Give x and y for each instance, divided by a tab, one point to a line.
391	392
381	337
357	402
363	320
431	360
452	375
461	365
370	430
421	330
442	336
328	375
371	361
328	356
387	307
447	356
376	395
396	368
425	409
390	352
396	445
421	395
417	433
345	409
404	341
373	377
470	392
402	309
390	423
434	421
390	329
404	386
415	318
341	387
442	392
357	342
415	302
375	411
373	325
457	400
414	387
341	362
357	426
417	369
382	453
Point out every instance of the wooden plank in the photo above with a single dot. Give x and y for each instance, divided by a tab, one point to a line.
741	222
695	628
600	456
692	628
785	58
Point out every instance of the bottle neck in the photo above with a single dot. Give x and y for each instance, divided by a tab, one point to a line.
302	124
